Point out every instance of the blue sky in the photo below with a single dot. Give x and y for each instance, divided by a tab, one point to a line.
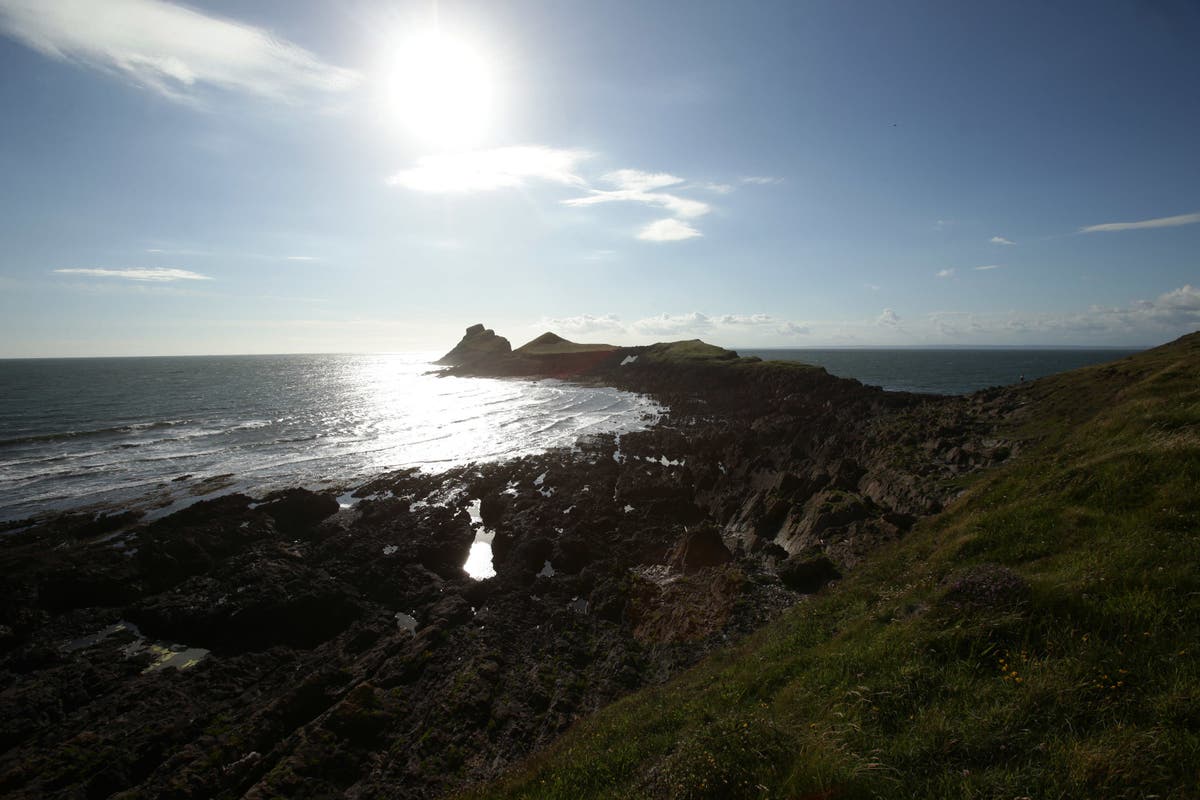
229	177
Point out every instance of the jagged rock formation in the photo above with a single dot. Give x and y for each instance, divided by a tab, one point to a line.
479	344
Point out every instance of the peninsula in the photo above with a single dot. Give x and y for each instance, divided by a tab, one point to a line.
792	583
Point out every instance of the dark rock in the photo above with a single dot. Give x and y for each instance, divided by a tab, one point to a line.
297	511
808	571
477	345
699	548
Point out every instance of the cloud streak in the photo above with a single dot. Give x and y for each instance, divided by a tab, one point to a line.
489	170
149	275
1160	222
1001	240
668	230
171	49
635	186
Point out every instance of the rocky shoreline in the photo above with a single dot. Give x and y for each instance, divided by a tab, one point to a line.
286	646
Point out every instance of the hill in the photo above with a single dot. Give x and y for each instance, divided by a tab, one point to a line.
1036	639
553	344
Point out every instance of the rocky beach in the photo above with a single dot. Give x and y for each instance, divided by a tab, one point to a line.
290	645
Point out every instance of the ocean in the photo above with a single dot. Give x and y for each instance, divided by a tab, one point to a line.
106	433
103	432
943	371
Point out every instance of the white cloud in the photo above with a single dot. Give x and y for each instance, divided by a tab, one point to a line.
947	273
717	188
1170	314
1160	222
170	48
942	224
874	287
487	170
674	324
888	319
745	319
668	230
581	323
637	187
986	267
794	329
155	275
1001	240
301	258
636	180
761	180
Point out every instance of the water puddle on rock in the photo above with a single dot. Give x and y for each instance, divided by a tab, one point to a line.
178	656
479	561
547	570
406	622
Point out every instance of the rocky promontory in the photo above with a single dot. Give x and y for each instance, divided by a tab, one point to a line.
292	645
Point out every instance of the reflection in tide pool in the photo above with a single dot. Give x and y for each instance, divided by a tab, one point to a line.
479	561
179	656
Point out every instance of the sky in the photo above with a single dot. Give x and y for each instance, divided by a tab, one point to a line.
363	176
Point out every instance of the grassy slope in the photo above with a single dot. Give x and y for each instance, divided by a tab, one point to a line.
883	687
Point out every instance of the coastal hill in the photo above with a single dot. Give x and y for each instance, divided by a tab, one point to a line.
789	585
1036	639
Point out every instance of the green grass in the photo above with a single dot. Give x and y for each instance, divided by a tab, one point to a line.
549	344
1086	684
689	350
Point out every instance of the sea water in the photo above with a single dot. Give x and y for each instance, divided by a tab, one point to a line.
943	370
106	432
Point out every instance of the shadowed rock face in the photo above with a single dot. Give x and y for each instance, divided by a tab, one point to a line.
478	344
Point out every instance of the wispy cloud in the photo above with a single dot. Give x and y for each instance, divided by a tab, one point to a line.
717	188
694	323
640	187
301	258
600	255
986	267
674	324
1160	222
949	272
152	275
745	319
1001	240
171	49
1170	314
581	324
488	170
888	319
668	230
512	167
761	180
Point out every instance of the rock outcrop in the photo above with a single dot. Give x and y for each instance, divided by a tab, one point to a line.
478	346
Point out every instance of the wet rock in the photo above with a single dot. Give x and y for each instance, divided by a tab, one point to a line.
298	511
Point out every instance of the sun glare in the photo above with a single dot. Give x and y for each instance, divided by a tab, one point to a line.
440	89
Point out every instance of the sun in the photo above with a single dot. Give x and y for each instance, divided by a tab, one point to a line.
440	89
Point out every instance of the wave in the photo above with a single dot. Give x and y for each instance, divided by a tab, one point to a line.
39	438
